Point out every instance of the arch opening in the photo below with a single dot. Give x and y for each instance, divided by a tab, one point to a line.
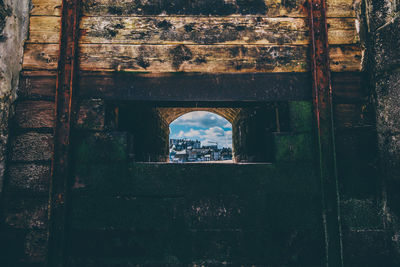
201	136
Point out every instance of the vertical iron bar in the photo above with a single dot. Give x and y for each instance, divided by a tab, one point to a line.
322	102
66	76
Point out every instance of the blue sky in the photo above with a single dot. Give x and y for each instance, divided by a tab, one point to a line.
203	126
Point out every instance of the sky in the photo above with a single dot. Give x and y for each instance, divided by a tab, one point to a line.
203	126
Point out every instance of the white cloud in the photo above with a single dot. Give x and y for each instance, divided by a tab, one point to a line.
202	119
211	128
208	136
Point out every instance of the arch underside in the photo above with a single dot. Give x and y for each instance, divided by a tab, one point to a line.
171	114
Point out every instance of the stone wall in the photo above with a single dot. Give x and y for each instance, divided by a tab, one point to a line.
14	20
383	28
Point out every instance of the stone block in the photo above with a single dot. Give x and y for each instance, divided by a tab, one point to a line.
388	103
386	46
32	146
367	248
29	178
380	12
361	214
390	155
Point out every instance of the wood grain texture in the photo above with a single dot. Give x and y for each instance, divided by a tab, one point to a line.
37	85
270	8
46	7
44	29
34	114
185	87
41	57
209	30
191	58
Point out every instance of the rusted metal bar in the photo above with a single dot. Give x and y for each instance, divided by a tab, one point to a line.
66	76
322	100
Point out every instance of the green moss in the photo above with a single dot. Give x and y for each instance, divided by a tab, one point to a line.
293	147
300	113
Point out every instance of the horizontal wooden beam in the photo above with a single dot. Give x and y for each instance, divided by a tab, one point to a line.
270	8
196	87
192	58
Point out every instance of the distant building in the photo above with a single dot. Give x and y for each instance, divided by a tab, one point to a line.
184	150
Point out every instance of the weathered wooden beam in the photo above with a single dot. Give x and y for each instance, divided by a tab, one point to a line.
46	7
270	8
67	69
230	30
196	87
322	99
192	58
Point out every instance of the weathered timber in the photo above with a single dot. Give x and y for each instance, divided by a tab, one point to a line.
349	87
37	85
270	8
196	87
44	29
27	213
46	7
34	114
208	30
32	146
60	168
41	57
191	58
28	178
345	58
91	115
353	115
322	102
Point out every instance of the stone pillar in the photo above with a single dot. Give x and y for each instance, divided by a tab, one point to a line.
383	50
14	19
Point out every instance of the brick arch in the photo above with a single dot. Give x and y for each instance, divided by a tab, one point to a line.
171	114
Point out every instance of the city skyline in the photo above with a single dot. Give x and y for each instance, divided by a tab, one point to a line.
204	126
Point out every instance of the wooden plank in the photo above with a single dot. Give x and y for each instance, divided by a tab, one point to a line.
349	87
46	7
345	58
60	168
34	114
32	146
41	57
353	115
270	8
37	85
196	87
191	58
209	30
325	140
44	29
